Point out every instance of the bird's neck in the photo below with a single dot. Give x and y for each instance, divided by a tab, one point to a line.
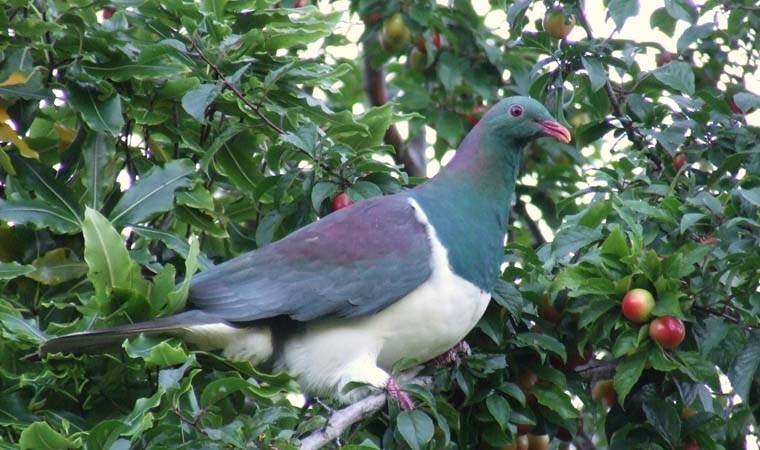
468	205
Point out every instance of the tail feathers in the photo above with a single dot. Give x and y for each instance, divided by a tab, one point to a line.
101	340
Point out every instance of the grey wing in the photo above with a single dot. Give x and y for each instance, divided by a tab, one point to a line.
354	262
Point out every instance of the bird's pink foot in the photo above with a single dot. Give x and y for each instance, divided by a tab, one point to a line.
452	355
403	399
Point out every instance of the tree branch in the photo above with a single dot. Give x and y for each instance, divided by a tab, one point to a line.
340	420
413	156
532	226
630	130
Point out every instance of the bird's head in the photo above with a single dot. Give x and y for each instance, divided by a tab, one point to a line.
520	119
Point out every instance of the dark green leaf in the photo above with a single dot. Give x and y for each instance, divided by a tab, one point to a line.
154	351
153	193
11	270
621	10
57	266
196	100
554	398
597	74
322	191
499	409
40	214
744	367
101	167
415	427
100	115
677	75
628	373
41	436
571	239
663	417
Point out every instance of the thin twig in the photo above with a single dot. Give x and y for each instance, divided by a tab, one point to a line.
583	440
234	89
532	226
630	130
725	315
231	86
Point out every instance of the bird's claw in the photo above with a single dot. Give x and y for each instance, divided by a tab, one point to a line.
403	399
451	356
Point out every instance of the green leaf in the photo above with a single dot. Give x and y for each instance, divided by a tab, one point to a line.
237	162
101	165
688	220
196	100
628	373
153	193
377	120
107	257
41	436
682	10
449	71
747	101
499	409
743	369
155	351
172	241
751	195
20	329
415	427
57	266
596	212
46	186
508	296
668	293
11	270
597	74
267	227
554	398
677	75
220	389
616	243
541	342
198	197
306	138
39	213
322	191
176	299
99	115
621	10
627	342
662	20
571	239
363	189
663	417
105	435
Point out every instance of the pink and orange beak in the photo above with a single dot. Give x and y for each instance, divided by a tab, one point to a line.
553	129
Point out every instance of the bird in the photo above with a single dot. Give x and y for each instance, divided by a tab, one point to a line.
401	277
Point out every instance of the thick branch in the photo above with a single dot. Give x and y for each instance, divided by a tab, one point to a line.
413	156
342	419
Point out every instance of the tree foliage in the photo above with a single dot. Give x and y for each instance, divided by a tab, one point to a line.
194	131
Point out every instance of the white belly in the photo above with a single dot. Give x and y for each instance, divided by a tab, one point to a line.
427	322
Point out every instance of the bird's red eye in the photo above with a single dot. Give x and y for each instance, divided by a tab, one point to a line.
516	111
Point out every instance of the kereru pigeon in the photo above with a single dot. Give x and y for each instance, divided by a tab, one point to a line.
404	276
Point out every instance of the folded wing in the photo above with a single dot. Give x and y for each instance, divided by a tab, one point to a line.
354	262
